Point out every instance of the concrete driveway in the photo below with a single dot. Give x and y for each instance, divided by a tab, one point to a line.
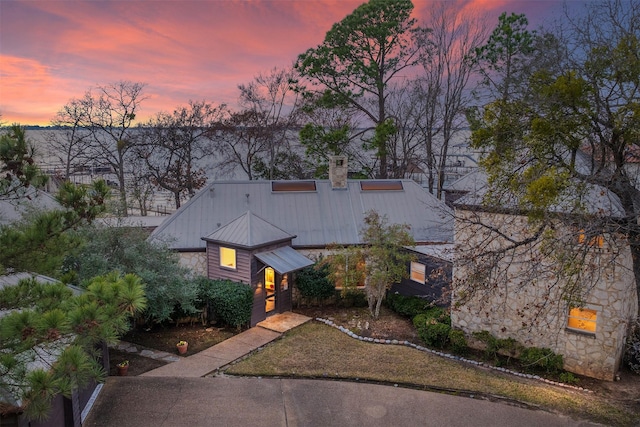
230	401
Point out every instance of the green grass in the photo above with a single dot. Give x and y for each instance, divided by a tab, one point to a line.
315	350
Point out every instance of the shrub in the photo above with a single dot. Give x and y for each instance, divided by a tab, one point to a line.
433	327
313	282
535	358
632	353
408	306
230	301
457	341
126	249
568	378
494	346
435	334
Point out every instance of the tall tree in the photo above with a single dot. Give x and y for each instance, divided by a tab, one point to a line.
359	57
111	111
503	59
571	127
174	146
50	336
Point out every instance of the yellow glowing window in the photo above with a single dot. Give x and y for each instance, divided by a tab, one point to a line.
417	272
593	241
582	319
227	257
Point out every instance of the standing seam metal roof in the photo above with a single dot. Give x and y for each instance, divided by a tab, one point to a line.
317	218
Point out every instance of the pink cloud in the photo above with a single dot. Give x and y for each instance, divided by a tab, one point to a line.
182	49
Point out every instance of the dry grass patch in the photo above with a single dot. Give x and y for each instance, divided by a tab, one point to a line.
319	351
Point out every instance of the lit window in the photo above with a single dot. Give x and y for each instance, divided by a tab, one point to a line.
417	272
582	319
594	241
227	257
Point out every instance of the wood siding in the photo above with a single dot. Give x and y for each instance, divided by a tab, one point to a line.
284	296
437	281
242	272
250	270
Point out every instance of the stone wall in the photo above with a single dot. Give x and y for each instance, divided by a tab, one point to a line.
522	297
195	261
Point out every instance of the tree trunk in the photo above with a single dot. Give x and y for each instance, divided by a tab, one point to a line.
378	305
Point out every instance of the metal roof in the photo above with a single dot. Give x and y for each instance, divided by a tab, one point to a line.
284	259
249	230
595	199
11	210
317	218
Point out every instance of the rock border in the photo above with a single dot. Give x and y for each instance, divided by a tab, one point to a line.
352	334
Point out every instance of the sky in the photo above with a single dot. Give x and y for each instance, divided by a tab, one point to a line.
53	51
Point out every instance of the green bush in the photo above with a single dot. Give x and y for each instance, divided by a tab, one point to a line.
127	250
494	346
541	359
569	378
231	302
313	282
435	334
457	341
408	306
632	351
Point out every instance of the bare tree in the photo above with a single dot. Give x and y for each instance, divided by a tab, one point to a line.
405	145
110	111
264	127
173	147
70	145
444	88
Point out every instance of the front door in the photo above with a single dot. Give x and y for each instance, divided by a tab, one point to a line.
270	290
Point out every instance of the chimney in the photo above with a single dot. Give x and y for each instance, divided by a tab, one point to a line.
338	172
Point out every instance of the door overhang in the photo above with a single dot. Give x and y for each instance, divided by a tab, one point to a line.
284	259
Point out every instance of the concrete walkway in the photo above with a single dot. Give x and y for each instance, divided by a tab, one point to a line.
213	358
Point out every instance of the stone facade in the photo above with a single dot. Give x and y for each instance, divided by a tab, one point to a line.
195	261
522	299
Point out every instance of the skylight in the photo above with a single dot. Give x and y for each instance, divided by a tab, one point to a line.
381	185
286	186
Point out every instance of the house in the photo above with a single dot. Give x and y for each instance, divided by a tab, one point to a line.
64	411
517	291
261	232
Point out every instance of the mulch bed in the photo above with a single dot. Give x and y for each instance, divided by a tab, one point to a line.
165	337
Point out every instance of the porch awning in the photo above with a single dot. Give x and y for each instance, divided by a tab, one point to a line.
284	259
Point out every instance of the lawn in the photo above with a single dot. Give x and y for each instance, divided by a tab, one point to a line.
315	350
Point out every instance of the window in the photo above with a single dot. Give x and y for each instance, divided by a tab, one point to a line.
227	257
595	241
582	319
417	272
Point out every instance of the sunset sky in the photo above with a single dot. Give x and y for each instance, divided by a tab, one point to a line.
52	51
